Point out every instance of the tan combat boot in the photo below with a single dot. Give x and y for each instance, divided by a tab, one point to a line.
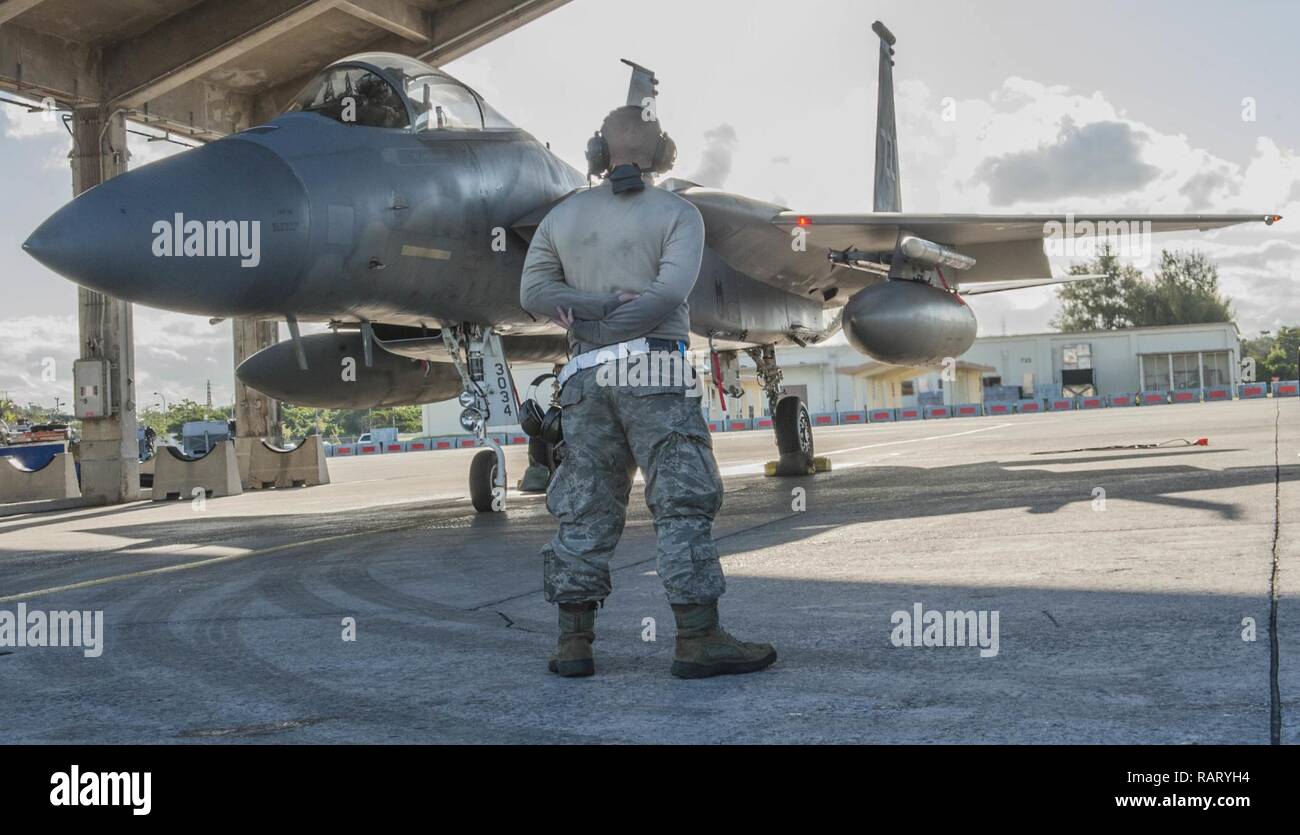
705	649
572	656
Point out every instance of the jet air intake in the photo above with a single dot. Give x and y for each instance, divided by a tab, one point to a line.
908	323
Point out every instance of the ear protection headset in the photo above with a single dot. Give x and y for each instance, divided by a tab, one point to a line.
536	423
598	154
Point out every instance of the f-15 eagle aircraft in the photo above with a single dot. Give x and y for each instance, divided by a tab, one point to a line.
393	203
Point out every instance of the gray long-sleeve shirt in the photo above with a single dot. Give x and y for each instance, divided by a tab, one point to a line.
597	244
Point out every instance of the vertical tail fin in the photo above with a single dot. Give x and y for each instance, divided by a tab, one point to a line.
642	86
888	194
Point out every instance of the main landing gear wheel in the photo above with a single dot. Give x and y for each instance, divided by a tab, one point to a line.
794	439
482	480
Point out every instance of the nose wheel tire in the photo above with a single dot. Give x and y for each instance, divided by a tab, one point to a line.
482	479
794	438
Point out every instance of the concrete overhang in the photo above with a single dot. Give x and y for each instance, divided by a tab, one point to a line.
206	68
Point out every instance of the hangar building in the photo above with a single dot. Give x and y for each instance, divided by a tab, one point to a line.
836	378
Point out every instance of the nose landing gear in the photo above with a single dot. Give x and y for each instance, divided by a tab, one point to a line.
489	399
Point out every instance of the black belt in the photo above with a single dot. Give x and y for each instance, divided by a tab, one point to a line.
677	345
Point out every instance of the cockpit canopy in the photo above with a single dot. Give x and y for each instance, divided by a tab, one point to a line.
386	90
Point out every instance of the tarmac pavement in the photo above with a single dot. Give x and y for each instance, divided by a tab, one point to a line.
1120	580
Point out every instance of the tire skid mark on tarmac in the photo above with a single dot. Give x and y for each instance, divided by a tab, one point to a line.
218	635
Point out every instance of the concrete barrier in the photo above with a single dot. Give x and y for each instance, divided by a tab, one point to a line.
1153	398
416	445
1286	388
1029	407
824	419
738	425
1249	391
764	422
881	415
1217	393
1118	400
936	411
56	480
1060	404
262	466
1092	401
1000	407
908	413
177	477
1185	396
717	425
850	418
968	410
372	448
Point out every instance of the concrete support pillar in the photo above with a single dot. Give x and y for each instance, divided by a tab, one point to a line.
256	415
109	452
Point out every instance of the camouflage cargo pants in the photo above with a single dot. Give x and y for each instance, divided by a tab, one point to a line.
609	431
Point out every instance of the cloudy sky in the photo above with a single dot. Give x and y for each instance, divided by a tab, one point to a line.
1002	107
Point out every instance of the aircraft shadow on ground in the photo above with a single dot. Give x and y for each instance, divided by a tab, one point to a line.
874	492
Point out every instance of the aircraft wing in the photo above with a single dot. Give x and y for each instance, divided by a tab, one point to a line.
878	230
760	240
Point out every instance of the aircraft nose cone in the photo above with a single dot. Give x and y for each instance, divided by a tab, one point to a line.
202	232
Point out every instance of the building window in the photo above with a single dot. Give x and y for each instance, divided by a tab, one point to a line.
908	388
1155	372
1187	370
1218	368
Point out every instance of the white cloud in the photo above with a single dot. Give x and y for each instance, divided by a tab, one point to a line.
170	349
1258	263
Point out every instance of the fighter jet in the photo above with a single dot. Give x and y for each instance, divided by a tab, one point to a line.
395	204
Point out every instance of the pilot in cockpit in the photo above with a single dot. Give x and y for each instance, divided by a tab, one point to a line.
378	104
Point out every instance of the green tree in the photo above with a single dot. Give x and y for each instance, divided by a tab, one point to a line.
1098	304
303	420
155	418
1280	361
1184	290
185	411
